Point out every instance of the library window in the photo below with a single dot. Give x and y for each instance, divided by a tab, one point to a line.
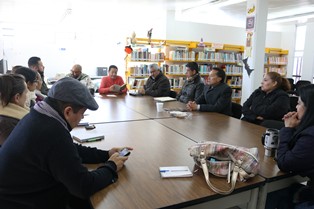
298	53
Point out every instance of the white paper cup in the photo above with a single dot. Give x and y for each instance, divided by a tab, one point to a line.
160	106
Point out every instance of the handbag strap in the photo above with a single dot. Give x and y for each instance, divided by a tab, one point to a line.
235	173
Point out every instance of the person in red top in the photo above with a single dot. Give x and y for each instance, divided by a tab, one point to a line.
110	83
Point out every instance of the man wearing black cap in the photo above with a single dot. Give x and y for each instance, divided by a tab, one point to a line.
41	167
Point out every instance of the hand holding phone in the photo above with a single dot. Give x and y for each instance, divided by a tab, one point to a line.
124	152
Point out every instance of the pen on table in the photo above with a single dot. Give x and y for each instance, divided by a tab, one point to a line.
163	171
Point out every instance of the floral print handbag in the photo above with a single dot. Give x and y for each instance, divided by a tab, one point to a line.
224	160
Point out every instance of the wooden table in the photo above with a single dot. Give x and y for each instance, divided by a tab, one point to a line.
146	105
140	185
111	109
221	128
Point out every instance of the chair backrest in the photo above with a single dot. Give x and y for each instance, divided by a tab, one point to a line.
173	94
301	83
292	85
236	110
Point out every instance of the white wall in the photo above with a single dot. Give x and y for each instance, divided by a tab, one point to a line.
308	57
189	31
288	43
92	45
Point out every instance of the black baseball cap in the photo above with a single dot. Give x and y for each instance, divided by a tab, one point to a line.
73	91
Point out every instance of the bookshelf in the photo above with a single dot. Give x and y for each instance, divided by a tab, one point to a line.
228	57
276	60
137	63
173	55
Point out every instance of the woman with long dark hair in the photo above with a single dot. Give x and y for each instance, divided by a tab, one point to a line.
13	93
296	149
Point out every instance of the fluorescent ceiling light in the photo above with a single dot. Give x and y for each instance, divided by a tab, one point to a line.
291	18
213	4
228	3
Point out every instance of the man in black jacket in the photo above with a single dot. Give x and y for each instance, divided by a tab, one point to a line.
158	84
41	167
216	96
193	86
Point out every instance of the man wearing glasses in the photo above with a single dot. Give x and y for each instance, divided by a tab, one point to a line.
157	85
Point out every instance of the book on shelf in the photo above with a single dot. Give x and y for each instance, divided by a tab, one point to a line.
175	172
118	88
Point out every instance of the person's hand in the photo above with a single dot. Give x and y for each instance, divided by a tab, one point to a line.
111	88
141	90
117	150
118	160
291	119
191	106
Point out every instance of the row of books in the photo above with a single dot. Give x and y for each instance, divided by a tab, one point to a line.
280	70
147	56
236	93
220	56
139	70
182	55
276	60
234	81
177	82
232	69
136	83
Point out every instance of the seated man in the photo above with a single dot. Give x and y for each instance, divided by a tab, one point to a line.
113	83
76	72
36	64
41	167
157	85
216	96
193	86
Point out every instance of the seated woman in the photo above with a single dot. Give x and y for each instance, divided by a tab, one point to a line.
269	102
112	84
295	151
31	81
13	92
193	86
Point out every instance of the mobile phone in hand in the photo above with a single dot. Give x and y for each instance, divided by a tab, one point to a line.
124	152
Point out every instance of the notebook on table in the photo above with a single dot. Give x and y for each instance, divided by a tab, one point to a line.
164	99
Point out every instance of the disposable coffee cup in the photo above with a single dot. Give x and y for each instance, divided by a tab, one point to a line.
160	106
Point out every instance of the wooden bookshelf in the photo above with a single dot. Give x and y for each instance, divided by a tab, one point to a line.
173	55
276	60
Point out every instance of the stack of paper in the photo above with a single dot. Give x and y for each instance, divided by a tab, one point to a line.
175	171
164	99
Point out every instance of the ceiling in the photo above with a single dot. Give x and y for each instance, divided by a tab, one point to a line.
84	11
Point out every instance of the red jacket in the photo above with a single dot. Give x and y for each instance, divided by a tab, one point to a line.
106	82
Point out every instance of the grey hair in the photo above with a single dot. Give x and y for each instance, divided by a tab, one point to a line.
154	66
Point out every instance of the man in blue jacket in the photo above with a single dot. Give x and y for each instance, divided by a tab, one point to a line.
41	167
216	96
